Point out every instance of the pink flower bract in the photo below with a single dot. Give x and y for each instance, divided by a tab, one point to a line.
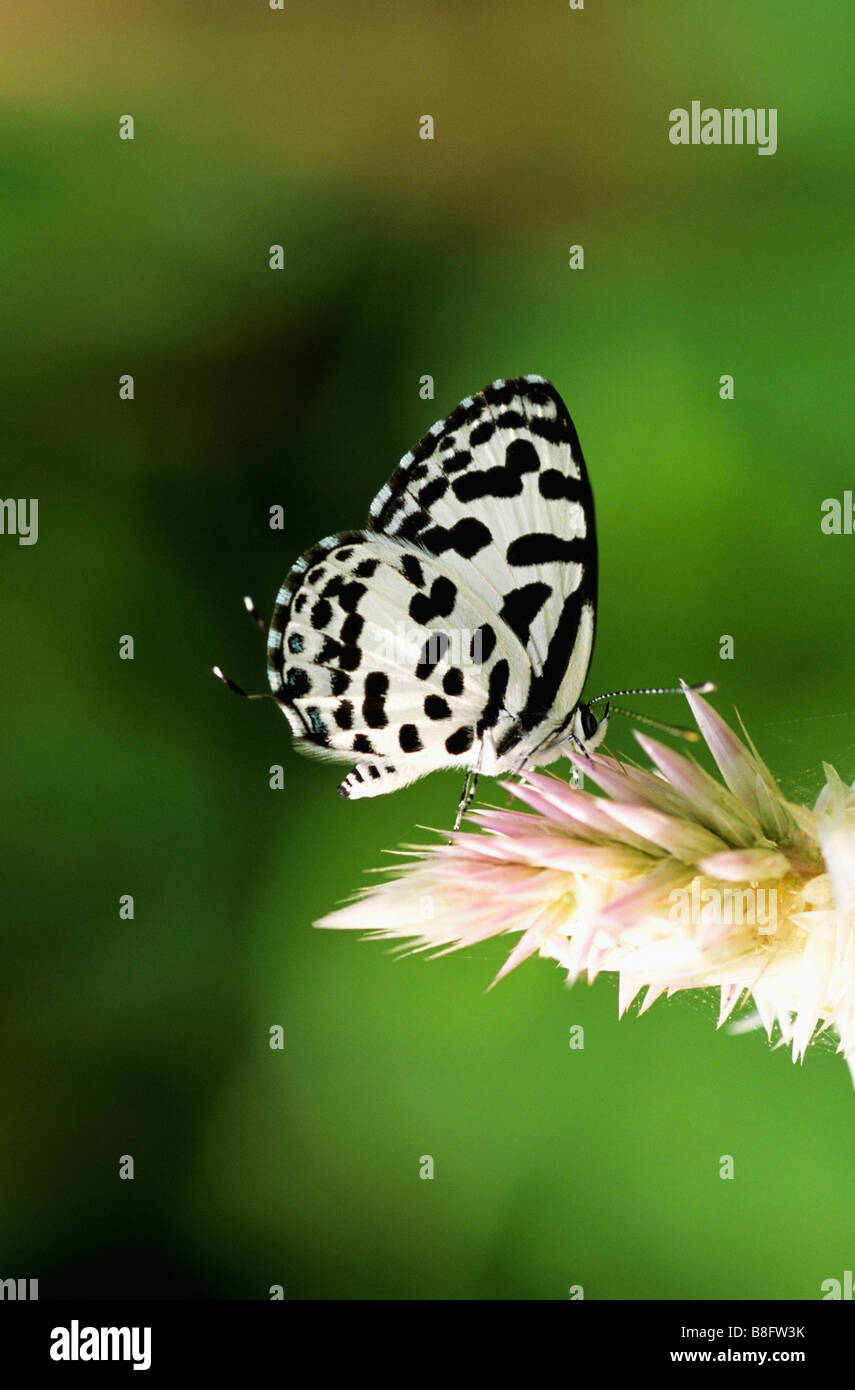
670	878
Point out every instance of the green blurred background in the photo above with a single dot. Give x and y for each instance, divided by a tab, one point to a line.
402	257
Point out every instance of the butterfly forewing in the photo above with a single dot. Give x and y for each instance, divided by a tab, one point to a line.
500	491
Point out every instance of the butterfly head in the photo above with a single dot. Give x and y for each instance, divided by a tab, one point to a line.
587	731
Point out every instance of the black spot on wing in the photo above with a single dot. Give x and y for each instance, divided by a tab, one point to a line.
467	537
432	653
373	706
522	457
461	459
481	433
432	492
411	526
319	731
413	571
481	644
296	684
321	613
556	486
350	594
329	654
487	482
437	604
541	547
504	479
460	741
343	715
426	447
351	629
436	707
521	607
555	431
408	738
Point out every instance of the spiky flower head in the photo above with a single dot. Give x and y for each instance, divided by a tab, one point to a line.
671	879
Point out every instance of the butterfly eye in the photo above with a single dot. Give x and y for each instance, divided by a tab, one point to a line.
589	721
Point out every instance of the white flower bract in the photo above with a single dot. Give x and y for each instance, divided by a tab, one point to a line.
671	879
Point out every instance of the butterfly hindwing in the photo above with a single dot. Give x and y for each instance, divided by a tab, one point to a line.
381	655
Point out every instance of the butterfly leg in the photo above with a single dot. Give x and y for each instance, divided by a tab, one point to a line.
262	627
239	690
254	614
469	785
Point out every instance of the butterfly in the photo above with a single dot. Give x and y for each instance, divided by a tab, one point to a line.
457	628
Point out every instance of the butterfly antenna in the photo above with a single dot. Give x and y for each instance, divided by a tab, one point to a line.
233	686
254	613
691	735
703	688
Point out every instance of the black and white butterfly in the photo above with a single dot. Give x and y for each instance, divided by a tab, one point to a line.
457	629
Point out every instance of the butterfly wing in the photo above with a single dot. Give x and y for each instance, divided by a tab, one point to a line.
459	630
499	492
381	655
